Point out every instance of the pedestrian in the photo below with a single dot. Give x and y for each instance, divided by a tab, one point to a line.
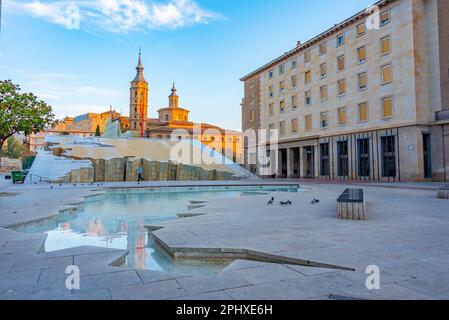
140	174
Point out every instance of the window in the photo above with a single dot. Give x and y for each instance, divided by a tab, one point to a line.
342	116
323	93
282	86
271	91
363	112
294	82
385	45
270	74
342	159
270	109
308	122
385	17
271	129
252	98
307	77
324	159
251	115
341	63
387	74
361	55
307	56
340	39
363	81
388	156
323	48
387	107
282	128
323	70
363	157
308	98
294	125
323	120
341	87
282	106
251	83
281	69
294	102
294	64
361	29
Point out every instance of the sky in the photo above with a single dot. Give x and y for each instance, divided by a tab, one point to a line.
206	46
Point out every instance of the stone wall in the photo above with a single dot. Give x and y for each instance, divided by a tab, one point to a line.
132	166
83	175
119	170
98	165
114	170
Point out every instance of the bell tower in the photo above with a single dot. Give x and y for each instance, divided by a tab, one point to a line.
173	99
138	113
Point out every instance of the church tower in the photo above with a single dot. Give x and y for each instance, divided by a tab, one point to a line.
173	99
138	113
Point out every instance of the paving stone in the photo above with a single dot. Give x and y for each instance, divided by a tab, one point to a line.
436	287
202	284
309	271
34	263
5	265
91	295
395	291
409	245
148	276
150	291
209	296
17	280
109	280
82	250
267	273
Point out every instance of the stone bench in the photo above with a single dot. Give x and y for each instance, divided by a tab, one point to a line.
351	205
443	193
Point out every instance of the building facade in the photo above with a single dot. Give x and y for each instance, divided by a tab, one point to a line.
173	122
365	100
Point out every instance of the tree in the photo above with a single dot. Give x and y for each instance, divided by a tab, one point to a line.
97	131
21	112
13	148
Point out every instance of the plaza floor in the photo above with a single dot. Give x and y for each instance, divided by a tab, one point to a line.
406	236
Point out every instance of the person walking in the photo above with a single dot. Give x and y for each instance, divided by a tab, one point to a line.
140	174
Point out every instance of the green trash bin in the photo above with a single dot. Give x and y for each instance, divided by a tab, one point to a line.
18	176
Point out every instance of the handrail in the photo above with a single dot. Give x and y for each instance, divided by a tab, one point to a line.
41	179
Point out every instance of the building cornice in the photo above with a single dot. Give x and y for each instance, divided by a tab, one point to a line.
316	39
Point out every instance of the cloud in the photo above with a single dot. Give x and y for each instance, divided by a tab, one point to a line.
117	16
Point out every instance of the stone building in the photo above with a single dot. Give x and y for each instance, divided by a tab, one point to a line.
173	121
367	99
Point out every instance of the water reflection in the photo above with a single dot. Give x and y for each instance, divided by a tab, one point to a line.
118	221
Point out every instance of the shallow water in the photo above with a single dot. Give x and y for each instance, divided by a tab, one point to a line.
118	220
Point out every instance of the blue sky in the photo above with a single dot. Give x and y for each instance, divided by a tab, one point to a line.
205	45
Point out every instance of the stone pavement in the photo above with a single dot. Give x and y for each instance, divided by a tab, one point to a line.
406	236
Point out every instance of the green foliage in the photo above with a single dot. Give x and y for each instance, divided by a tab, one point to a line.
97	131
13	149
21	112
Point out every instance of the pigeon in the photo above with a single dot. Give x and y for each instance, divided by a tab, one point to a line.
271	201
288	203
315	201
